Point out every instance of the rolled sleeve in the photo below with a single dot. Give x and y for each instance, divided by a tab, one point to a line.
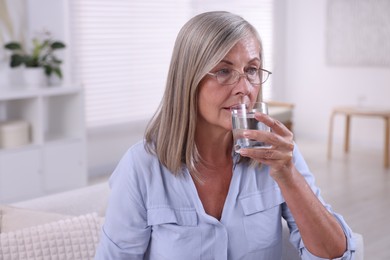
351	244
305	254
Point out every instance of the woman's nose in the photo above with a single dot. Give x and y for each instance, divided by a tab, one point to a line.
243	87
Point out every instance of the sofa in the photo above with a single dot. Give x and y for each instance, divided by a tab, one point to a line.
67	225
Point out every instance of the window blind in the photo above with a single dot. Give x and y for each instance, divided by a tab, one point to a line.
121	50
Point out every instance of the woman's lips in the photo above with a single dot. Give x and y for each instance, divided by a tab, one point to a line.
231	106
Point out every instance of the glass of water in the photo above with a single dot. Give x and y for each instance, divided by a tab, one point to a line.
243	118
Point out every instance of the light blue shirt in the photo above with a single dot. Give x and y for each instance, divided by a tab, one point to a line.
153	214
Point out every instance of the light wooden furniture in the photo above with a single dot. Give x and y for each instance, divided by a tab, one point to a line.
54	158
282	111
348	112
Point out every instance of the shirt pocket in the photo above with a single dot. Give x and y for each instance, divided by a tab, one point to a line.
175	233
262	218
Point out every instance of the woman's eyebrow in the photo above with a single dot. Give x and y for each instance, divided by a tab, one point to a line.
227	62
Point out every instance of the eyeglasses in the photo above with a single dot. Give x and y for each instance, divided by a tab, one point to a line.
231	76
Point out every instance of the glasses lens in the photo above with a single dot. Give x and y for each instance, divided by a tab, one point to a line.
224	77
230	77
227	77
254	77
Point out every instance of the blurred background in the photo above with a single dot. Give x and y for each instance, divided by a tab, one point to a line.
323	54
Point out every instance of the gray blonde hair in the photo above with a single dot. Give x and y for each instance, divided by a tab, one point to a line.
200	45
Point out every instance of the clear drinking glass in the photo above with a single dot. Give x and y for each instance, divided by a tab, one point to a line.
243	118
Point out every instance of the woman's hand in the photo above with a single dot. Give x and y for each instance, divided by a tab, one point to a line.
279	155
320	231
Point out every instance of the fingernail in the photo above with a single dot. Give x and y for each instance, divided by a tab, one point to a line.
245	134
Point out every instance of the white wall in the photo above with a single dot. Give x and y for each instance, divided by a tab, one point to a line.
106	146
316	87
279	52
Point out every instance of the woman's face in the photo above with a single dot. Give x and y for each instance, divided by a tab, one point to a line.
215	100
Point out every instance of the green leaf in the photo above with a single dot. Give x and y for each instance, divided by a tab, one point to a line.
31	62
16	60
57	45
58	72
13	46
48	70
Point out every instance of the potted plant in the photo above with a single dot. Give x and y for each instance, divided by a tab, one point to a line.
41	56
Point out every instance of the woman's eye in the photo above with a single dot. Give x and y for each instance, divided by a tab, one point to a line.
223	72
252	71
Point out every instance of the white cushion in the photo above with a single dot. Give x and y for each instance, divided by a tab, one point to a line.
72	238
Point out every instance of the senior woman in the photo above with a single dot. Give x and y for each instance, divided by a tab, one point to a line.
182	192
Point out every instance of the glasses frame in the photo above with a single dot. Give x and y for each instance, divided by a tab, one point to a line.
243	75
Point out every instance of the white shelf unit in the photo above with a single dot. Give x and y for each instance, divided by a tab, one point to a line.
55	159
